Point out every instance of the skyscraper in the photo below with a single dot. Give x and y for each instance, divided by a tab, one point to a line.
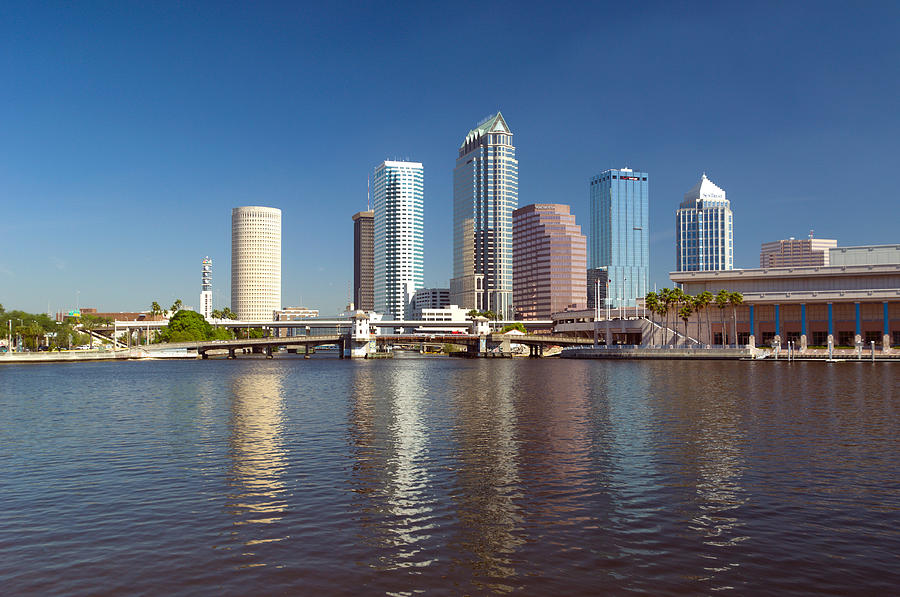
704	235
206	289
399	248
549	261
364	260
620	233
255	262
485	193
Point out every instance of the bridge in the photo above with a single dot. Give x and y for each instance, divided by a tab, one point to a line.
360	336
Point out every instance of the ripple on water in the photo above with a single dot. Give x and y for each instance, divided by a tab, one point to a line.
449	476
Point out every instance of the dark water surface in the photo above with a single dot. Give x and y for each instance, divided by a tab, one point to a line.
448	476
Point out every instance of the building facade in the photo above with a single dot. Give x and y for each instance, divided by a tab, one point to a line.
864	255
206	307
549	261
255	262
796	252
364	260
844	305
485	193
620	233
704	230
597	285
398	241
430	298
294	314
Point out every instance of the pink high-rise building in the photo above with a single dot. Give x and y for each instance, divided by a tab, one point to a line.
549	261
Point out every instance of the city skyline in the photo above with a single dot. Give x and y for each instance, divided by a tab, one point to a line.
123	152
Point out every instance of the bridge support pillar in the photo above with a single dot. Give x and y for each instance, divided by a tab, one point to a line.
269	352
203	355
231	353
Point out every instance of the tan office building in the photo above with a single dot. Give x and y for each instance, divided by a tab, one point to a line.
796	252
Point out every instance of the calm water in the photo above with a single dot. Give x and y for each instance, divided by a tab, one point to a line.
450	477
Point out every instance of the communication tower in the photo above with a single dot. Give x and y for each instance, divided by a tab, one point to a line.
206	289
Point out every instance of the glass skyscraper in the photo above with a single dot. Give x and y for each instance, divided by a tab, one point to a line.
399	198
485	193
620	233
704	232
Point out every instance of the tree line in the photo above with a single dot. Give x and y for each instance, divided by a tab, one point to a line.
36	330
682	306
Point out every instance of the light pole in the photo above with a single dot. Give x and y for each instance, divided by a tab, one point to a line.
597	314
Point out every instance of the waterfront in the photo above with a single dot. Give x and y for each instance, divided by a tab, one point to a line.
451	476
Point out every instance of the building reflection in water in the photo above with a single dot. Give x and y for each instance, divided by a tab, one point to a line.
391	472
258	461
489	484
709	420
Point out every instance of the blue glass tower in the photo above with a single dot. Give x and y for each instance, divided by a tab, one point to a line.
620	233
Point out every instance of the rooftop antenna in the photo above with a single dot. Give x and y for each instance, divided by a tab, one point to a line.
368	202
811	233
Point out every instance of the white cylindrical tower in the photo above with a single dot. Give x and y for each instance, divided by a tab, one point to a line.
255	262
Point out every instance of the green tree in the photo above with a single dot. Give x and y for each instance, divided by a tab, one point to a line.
722	299
155	309
651	302
701	303
227	313
514	326
186	326
473	313
735	299
89	323
176	306
684	313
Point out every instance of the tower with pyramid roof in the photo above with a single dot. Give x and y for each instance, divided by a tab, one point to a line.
485	193
704	229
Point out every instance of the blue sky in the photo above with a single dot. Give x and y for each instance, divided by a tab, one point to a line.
128	131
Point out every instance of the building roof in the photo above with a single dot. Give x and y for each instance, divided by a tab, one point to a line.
705	189
494	124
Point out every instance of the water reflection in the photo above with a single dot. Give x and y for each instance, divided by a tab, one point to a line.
258	460
707	443
489	485
391	470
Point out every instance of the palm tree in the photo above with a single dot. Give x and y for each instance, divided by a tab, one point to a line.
662	311
701	302
651	302
89	323
227	313
722	299
665	296
678	299
176	306
685	313
735	299
155	310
